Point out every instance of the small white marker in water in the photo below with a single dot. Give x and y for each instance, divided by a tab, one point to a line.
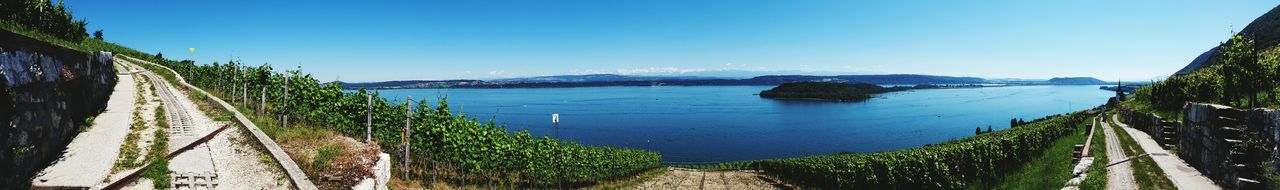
555	118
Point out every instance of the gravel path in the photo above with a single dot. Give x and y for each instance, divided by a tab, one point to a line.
231	163
681	178
146	135
1177	170
1119	176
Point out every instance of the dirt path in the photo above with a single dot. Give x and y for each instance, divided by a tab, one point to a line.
1119	176
681	178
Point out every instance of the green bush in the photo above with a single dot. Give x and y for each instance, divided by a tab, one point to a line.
1240	76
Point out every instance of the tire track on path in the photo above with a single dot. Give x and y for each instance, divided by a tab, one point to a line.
1119	175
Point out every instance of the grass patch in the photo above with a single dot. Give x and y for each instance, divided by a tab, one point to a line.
324	156
1050	170
88	122
128	157
1145	171
129	150
159	172
1144	107
1097	173
739	165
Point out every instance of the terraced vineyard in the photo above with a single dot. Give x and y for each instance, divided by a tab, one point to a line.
976	161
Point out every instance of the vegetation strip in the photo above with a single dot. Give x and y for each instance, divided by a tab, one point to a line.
148	168
1050	169
1099	173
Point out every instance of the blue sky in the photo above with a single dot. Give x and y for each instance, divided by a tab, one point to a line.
473	39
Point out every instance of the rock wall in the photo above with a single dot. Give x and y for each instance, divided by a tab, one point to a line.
1163	131
46	94
1233	147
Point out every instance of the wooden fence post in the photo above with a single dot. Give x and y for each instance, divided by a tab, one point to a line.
368	123
408	113
286	98
262	106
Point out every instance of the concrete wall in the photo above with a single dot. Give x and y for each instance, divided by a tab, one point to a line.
46	93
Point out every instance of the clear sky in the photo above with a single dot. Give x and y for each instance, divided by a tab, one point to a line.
399	40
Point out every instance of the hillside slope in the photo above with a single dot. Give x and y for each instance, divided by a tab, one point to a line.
1265	31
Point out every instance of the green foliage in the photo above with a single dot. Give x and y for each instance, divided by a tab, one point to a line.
45	17
1048	170
158	171
970	162
159	174
1240	69
1098	171
324	156
1242	77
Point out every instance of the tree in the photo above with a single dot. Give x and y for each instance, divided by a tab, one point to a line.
977	130
159	55
988	128
97	34
1240	70
1013	123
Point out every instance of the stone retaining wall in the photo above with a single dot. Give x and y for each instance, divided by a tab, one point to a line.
46	93
1230	146
1163	131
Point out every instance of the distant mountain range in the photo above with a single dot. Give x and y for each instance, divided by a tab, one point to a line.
628	80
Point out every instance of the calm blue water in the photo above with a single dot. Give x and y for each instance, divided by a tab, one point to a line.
725	123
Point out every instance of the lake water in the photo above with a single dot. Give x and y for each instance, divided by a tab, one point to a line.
727	123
